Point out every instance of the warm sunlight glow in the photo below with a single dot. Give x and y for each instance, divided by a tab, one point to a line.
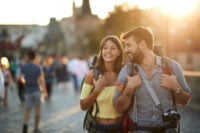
5	62
33	11
144	4
177	7
40	11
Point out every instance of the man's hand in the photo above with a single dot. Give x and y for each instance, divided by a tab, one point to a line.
120	86
45	94
169	82
134	81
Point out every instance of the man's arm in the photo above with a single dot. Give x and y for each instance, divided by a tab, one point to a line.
170	82
176	82
41	81
123	101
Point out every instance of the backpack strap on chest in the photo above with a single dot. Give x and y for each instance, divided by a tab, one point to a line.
166	66
167	69
132	69
97	72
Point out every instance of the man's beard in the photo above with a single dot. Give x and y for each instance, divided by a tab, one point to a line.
136	57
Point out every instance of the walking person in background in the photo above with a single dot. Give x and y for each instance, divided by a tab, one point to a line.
7	78
62	74
73	63
109	63
80	69
2	87
49	73
20	84
33	76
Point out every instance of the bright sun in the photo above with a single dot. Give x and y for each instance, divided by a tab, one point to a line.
177	7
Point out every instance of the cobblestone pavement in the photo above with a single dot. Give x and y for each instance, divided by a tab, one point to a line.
63	115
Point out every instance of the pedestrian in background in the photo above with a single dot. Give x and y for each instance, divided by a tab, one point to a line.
80	69
2	87
49	73
20	84
71	65
7	78
33	76
62	74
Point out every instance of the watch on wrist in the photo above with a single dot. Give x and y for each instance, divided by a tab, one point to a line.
178	90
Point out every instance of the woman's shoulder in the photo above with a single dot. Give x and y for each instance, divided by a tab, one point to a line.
89	77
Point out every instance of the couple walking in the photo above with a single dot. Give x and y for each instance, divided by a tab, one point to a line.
147	96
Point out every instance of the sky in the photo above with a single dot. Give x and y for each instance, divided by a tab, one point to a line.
40	11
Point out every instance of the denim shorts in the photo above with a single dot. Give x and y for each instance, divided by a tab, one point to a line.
115	128
33	99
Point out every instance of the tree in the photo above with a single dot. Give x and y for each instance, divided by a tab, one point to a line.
120	20
94	38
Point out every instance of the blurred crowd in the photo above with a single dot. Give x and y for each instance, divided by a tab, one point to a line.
57	70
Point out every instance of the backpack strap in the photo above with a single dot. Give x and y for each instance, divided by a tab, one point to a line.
132	69
166	66
167	69
97	72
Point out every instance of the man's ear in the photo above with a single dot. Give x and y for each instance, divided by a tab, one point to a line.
143	44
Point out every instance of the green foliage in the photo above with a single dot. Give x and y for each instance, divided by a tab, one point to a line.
94	37
120	21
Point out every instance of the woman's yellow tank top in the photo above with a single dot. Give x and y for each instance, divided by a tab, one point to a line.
104	100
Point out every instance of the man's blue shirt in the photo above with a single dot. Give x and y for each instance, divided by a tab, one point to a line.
31	74
147	113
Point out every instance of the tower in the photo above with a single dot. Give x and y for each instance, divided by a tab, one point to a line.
74	9
85	8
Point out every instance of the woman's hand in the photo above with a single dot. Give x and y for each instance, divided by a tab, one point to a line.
100	83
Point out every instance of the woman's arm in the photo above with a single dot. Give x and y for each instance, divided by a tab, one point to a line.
98	86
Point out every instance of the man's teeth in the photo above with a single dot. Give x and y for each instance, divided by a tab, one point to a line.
130	55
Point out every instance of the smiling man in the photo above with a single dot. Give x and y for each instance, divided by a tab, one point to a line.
151	89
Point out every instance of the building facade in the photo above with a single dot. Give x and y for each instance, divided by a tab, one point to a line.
75	27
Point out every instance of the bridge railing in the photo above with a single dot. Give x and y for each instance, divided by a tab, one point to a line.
193	80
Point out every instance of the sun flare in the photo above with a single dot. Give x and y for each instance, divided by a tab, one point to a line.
177	7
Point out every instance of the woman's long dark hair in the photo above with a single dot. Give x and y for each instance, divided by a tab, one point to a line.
158	50
118	63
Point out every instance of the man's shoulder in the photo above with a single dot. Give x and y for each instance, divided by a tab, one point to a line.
124	67
171	61
30	66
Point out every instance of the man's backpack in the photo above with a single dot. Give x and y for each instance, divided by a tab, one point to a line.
128	124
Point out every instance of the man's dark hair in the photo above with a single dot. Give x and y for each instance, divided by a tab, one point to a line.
31	55
140	33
